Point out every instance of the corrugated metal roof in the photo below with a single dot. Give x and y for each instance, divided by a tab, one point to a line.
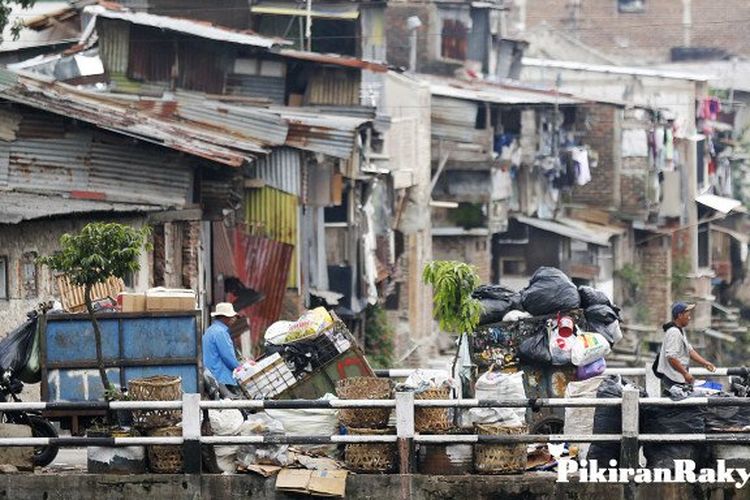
614	70
600	238
17	207
346	11
281	170
331	135
719	203
334	59
494	92
187	26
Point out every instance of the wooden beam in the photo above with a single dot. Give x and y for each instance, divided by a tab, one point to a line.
187	214
444	156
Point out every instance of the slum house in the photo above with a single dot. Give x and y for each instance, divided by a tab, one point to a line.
492	151
346	261
672	244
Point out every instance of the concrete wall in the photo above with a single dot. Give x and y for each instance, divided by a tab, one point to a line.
647	36
40	238
541	486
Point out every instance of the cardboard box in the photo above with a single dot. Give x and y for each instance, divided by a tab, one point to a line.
325	483
165	299
132	302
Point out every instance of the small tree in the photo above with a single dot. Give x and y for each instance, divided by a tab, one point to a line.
98	252
452	283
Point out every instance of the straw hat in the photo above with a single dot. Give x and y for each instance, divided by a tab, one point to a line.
224	309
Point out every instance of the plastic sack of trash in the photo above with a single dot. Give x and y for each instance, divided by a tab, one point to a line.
593	369
591	296
309	422
549	291
560	347
496	301
608	419
588	347
262	424
603	319
580	421
16	348
535	350
671	420
727	418
499	386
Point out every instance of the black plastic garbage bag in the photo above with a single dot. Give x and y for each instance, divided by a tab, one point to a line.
605	320
608	420
16	347
727	418
549	291
535	350
671	420
496	301
592	297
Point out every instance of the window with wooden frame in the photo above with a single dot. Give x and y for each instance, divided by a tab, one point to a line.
454	39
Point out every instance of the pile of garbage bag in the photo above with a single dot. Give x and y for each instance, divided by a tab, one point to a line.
583	342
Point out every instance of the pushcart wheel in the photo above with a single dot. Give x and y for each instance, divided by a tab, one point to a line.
548	425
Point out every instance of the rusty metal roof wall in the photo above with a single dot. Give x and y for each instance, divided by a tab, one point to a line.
121	116
188	26
281	170
270	87
332	135
115	171
17	207
114	45
482	91
334	86
334	59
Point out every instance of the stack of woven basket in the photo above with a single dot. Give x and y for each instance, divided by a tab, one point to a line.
163	423
367	457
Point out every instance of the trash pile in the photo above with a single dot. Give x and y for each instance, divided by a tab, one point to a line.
558	323
296	351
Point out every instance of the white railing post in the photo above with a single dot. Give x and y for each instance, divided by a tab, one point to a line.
629	453
191	432
405	431
653	383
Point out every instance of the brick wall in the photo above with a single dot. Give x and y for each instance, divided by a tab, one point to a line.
633	185
600	124
474	250
648	36
655	262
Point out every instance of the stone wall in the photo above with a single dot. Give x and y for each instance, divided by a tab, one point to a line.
655	262
474	250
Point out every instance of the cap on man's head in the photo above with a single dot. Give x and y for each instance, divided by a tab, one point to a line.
224	309
681	307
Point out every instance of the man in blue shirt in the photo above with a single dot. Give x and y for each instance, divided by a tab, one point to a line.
219	356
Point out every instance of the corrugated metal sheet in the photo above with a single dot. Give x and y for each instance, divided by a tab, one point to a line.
269	87
114	44
145	63
113	168
17	207
187	26
203	66
455	120
266	266
334	86
495	92
332	135
49	165
281	170
139	174
274	214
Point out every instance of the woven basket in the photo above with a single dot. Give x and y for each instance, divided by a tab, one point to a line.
158	388
364	388
371	457
432	419
500	458
165	459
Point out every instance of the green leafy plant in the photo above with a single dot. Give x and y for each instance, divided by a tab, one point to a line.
99	251
452	283
379	337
